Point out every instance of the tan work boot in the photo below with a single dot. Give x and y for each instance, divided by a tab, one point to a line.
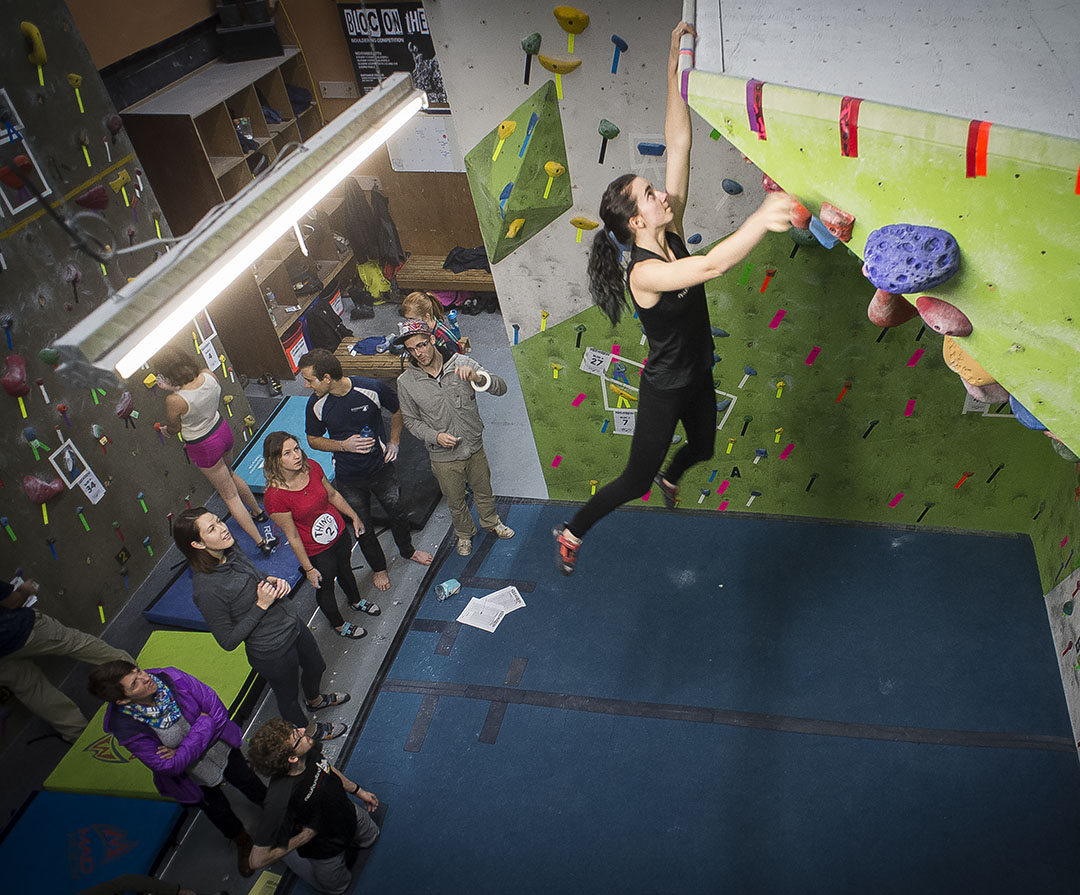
464	546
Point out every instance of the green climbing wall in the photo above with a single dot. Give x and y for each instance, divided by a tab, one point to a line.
524	171
923	455
1016	226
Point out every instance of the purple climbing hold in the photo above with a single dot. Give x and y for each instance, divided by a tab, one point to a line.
905	258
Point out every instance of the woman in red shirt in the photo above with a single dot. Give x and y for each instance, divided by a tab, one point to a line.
310	511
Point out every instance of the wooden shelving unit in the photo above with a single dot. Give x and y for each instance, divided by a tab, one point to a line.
185	134
251	337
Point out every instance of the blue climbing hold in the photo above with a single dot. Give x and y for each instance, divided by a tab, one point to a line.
656	149
721	406
1024	416
693	239
907	258
731	187
719	333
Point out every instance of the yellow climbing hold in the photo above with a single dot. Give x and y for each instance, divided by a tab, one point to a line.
515	226
553	169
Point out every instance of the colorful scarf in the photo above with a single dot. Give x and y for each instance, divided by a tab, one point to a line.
164	712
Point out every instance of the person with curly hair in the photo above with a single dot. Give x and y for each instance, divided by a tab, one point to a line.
307	819
667	289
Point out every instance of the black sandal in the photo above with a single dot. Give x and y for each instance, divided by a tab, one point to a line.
329	700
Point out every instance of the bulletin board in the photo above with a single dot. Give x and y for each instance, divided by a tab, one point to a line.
426	143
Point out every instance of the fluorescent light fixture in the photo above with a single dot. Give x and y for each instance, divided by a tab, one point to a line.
127	330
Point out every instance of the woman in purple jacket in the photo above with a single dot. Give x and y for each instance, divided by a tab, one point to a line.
179	728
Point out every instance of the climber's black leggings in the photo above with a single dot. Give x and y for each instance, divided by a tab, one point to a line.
658	412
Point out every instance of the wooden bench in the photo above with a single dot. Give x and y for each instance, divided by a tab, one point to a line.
425	273
378	366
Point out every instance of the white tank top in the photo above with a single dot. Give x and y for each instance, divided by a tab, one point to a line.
202	413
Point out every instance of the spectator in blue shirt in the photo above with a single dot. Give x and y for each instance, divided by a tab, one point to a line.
344	417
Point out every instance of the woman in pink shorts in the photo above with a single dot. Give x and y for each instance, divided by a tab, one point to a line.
191	408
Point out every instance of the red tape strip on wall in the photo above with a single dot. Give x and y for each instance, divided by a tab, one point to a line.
849	126
977	140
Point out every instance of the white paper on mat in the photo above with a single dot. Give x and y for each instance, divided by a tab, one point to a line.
479	614
508	599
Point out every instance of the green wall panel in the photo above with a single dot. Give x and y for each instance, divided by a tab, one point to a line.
1017	227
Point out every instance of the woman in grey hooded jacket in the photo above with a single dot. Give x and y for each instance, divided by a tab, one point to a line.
242	605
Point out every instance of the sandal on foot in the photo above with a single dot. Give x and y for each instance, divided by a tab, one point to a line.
329	700
567	551
366	606
669	492
351	631
329	730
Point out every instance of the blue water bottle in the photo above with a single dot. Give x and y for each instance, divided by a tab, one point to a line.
367	432
452	323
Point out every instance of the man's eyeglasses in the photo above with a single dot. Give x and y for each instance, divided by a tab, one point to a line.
423	343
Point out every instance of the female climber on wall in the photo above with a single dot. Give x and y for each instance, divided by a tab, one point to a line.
667	290
191	409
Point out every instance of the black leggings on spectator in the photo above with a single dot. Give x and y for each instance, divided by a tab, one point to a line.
301	660
216	805
336	562
658	412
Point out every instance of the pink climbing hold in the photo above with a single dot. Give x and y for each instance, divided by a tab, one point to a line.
914	359
577	401
557	460
899	497
1066	541
40	490
812	356
14	379
645	497
723	486
615	349
910	409
943	317
777	318
786	452
890	309
723	505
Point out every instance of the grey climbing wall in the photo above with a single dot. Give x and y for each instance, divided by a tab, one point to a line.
97	450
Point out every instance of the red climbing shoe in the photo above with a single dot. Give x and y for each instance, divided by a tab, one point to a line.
566	557
669	492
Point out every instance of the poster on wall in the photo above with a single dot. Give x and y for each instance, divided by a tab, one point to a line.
387	37
20	161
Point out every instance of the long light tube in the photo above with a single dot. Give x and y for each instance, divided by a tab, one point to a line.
128	330
259	241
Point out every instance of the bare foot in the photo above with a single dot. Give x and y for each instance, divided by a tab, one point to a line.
422	557
381	580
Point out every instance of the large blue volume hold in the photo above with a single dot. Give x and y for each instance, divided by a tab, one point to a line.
907	258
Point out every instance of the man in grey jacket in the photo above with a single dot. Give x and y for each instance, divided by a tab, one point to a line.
438	405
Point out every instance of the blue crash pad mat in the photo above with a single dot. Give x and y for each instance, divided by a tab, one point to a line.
175	606
288	416
64	842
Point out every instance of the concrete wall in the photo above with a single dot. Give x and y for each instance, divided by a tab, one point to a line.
1006	62
479	48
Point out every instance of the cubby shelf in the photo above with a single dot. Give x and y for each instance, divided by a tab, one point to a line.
186	139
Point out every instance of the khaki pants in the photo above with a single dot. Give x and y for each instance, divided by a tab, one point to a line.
452	475
30	686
